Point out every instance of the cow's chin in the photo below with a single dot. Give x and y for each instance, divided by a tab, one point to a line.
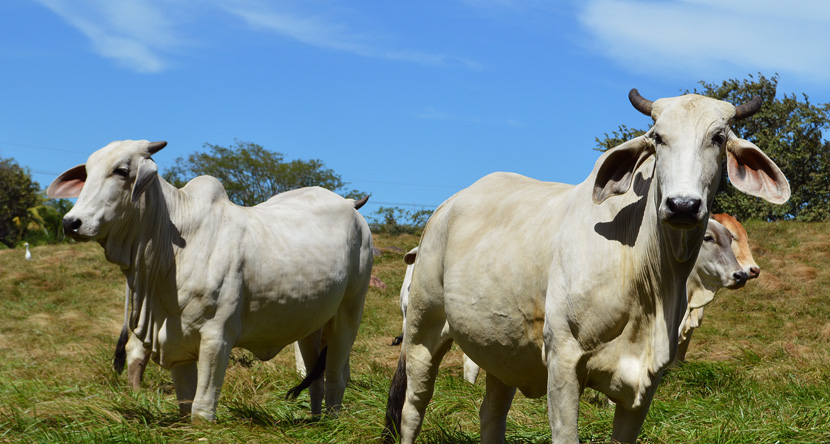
680	241
77	237
682	222
733	284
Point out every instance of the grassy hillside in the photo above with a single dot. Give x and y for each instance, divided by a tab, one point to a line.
759	367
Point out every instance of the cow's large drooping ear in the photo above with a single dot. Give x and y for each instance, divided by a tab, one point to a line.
409	258
68	184
144	177
752	172
616	168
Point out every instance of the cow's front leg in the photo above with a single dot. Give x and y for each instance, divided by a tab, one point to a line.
184	381
563	395
214	355
628	422
493	413
137	358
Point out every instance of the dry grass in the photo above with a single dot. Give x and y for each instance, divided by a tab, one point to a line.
758	367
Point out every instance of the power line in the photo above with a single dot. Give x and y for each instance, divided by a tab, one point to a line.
401	204
454	187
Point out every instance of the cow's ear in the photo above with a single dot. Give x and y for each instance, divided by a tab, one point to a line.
144	177
615	169
752	172
409	258
68	184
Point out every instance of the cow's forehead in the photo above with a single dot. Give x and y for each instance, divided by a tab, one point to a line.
732	224
722	234
705	109
117	151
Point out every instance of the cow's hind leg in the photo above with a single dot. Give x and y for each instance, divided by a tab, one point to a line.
493	413
309	351
340	334
425	346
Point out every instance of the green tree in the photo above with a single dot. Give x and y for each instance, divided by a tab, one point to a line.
251	174
18	193
396	220
46	221
789	131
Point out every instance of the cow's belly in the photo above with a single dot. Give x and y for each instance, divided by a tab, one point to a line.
504	341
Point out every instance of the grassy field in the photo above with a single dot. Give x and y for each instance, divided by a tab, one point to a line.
758	371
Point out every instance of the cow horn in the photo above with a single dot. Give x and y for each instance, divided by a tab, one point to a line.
748	108
640	103
156	147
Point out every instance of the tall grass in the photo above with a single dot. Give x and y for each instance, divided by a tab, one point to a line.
758	371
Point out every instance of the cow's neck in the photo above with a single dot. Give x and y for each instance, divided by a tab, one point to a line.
145	247
659	282
678	250
701	289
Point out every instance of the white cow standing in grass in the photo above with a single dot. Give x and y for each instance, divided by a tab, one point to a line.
205	275
716	267
552	288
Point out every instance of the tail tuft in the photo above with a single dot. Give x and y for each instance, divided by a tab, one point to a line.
120	357
394	406
315	374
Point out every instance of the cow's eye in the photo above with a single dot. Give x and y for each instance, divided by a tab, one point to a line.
708	238
122	172
718	139
657	139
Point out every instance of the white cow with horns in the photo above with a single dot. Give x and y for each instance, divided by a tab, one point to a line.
205	275
553	288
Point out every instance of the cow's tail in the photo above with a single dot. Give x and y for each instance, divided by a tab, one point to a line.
120	357
315	374
121	351
394	405
362	201
397	340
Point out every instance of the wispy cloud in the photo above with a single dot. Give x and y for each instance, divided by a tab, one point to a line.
708	37
327	33
135	33
142	34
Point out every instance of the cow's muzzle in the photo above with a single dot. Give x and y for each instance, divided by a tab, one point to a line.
72	227
683	212
738	280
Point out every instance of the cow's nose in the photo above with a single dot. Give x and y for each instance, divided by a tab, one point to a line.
739	277
754	272
683	207
71	225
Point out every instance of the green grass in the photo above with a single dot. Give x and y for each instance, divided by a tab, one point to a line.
758	371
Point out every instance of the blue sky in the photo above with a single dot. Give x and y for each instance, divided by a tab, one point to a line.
409	101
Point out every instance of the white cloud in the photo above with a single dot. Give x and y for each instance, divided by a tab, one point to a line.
132	32
705	37
322	32
142	34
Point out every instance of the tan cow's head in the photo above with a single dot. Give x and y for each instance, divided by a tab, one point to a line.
740	244
107	186
716	264
689	138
